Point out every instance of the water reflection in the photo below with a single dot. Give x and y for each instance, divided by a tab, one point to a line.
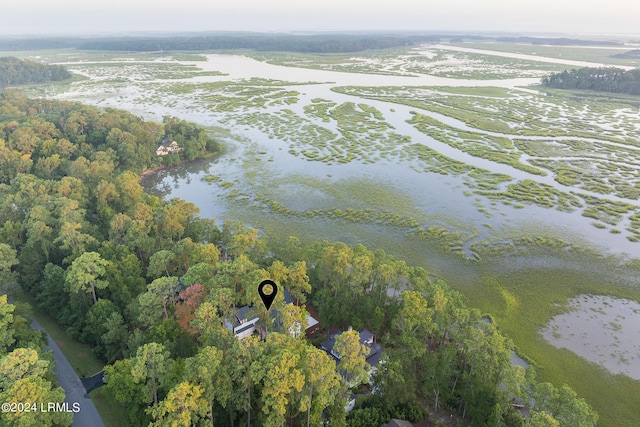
601	329
435	195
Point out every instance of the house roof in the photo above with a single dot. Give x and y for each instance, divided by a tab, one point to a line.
376	353
366	335
168	145
311	321
375	349
165	142
241	316
327	345
398	423
287	297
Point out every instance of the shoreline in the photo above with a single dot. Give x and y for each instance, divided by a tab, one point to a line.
148	172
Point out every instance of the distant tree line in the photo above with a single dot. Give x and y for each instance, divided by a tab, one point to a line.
232	40
609	79
11	44
320	43
15	71
313	44
632	54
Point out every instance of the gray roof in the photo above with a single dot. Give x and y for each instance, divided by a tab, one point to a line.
287	297
376	353
375	350
397	423
366	335
241	316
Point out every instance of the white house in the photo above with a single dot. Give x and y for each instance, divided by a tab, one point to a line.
243	324
167	147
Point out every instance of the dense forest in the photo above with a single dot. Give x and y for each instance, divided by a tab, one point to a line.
14	44
26	369
295	43
609	79
14	71
311	43
333	43
148	284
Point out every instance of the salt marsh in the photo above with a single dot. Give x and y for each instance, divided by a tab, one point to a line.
448	159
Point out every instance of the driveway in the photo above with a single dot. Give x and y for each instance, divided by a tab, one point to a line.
88	416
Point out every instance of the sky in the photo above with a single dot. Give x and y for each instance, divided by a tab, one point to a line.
88	17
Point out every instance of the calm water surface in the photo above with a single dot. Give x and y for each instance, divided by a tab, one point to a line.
256	164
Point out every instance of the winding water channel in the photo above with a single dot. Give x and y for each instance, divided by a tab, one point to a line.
256	163
430	192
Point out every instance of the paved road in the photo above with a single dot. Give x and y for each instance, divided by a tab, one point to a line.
73	388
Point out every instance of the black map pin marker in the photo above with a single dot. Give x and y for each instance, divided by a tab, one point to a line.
267	298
